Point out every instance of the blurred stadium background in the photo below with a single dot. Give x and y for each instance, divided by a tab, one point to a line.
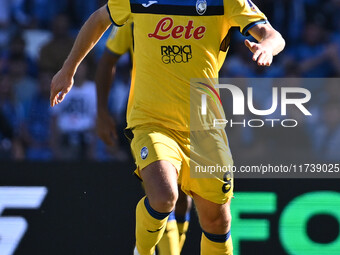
91	193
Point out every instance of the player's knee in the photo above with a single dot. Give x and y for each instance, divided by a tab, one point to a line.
218	224
164	201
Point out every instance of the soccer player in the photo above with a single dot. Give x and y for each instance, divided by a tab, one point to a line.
120	42
174	42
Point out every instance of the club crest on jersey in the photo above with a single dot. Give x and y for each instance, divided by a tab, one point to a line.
201	6
144	152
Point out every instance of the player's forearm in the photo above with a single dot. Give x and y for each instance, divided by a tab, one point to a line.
104	76
87	38
275	41
270	43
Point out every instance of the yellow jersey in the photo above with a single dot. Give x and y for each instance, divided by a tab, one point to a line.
174	42
120	40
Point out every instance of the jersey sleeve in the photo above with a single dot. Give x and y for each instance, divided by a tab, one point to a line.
243	14
120	39
119	11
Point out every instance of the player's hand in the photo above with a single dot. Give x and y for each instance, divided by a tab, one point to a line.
262	54
61	84
106	128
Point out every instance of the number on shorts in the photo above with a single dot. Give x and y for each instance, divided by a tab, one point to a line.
227	182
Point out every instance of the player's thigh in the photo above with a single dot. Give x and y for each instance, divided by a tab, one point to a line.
160	183
214	218
158	164
152	143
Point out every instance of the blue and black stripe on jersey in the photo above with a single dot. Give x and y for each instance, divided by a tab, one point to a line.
176	7
246	29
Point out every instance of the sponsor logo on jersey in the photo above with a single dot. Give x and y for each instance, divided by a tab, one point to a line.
173	54
146	5
201	6
144	152
165	29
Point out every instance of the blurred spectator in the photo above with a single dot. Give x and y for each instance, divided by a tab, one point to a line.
37	13
5	12
11	117
80	10
16	49
54	53
74	119
37	126
5	6
326	138
328	11
23	86
313	54
286	16
15	10
40	13
291	69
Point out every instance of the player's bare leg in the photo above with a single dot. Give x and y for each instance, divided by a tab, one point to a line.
182	212
152	212
215	220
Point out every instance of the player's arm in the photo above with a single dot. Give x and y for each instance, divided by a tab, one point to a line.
87	38
106	128
270	43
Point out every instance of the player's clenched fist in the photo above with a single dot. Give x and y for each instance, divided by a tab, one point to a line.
61	84
263	54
